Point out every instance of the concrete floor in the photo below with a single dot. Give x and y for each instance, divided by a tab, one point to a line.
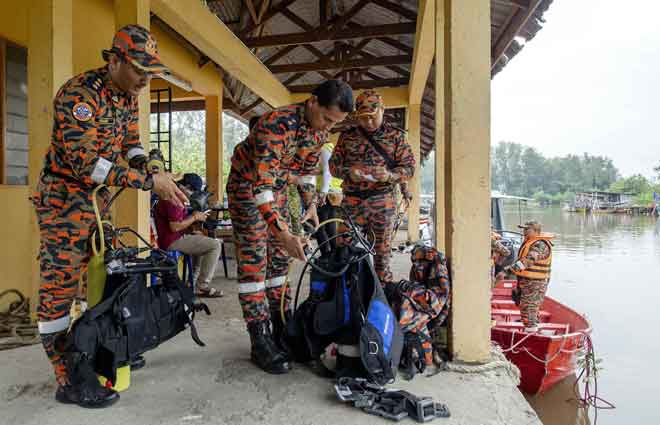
217	384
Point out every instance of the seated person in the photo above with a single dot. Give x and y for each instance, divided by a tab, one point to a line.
174	234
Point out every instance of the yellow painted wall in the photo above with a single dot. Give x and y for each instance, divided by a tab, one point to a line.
14	21
15	252
15	256
93	31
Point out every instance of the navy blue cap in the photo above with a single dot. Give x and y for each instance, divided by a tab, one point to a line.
193	181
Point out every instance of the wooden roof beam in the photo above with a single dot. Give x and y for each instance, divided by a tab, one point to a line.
280	53
297	20
342	20
396	44
270	14
323	12
318	36
397	8
251	106
357	85
424	51
396	69
523	4
350	64
197	24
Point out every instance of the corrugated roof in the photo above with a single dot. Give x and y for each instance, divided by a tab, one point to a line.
509	19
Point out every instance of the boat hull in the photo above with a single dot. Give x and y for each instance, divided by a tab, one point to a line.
546	357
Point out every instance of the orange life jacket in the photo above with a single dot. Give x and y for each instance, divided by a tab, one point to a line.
539	269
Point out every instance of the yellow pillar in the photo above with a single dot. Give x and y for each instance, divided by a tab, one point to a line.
132	206
439	219
414	138
49	66
214	146
467	137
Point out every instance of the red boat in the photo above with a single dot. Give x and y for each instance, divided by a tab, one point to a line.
546	357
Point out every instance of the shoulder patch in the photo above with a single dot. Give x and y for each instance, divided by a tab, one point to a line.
82	111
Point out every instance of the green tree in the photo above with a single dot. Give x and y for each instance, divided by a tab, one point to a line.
522	170
533	166
188	140
636	184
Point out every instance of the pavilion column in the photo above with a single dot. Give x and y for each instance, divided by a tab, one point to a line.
214	146
463	129
50	64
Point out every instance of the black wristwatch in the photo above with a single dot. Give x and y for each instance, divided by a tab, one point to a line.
148	183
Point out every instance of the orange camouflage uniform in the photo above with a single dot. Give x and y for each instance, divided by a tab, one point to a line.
282	147
94	125
372	205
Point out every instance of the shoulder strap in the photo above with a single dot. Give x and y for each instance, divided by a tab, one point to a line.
389	162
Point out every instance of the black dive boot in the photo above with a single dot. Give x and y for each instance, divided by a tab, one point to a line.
264	352
84	388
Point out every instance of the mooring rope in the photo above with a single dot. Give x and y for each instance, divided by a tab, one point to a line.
16	327
497	361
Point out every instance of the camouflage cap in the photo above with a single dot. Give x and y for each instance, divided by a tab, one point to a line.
368	103
533	224
136	44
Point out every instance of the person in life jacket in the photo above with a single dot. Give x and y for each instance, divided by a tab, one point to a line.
533	272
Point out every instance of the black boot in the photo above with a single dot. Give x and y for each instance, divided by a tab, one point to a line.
138	363
88	397
279	333
264	351
84	388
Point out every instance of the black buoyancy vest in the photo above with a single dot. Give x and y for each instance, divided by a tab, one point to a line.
350	309
132	320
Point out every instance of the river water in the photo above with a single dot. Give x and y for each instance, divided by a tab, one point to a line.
607	267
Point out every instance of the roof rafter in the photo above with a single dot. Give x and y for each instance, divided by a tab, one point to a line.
364	84
319	35
507	37
349	64
397	8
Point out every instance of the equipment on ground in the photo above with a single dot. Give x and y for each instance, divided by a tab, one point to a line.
389	403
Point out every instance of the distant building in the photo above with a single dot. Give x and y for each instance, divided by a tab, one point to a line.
598	200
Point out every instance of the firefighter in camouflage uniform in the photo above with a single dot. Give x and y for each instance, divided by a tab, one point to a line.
95	124
371	159
283	148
